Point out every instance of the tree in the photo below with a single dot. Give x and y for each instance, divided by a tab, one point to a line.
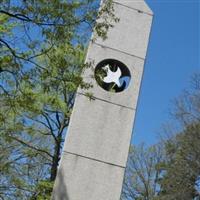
170	171
142	174
182	167
186	107
43	45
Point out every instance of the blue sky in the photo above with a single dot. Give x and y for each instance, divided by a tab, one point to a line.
173	56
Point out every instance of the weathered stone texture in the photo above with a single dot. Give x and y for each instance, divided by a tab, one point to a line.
100	130
85	179
131	33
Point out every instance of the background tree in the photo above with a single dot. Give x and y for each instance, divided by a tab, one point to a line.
181	169
170	171
142	174
186	107
43	45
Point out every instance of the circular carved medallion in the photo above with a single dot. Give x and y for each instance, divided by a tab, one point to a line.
112	75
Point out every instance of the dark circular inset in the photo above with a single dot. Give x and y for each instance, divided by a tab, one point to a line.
112	75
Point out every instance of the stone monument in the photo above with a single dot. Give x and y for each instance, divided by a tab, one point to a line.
96	148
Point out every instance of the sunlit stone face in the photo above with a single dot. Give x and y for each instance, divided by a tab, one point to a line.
112	75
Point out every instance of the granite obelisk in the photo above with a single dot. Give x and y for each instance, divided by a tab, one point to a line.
97	144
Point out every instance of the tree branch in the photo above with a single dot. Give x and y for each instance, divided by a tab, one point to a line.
19	57
31	146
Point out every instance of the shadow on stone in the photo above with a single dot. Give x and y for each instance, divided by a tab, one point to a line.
60	188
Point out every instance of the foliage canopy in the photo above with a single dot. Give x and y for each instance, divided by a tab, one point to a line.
42	56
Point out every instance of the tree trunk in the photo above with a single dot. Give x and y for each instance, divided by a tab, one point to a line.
55	161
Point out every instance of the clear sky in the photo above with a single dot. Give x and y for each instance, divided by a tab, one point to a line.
173	56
